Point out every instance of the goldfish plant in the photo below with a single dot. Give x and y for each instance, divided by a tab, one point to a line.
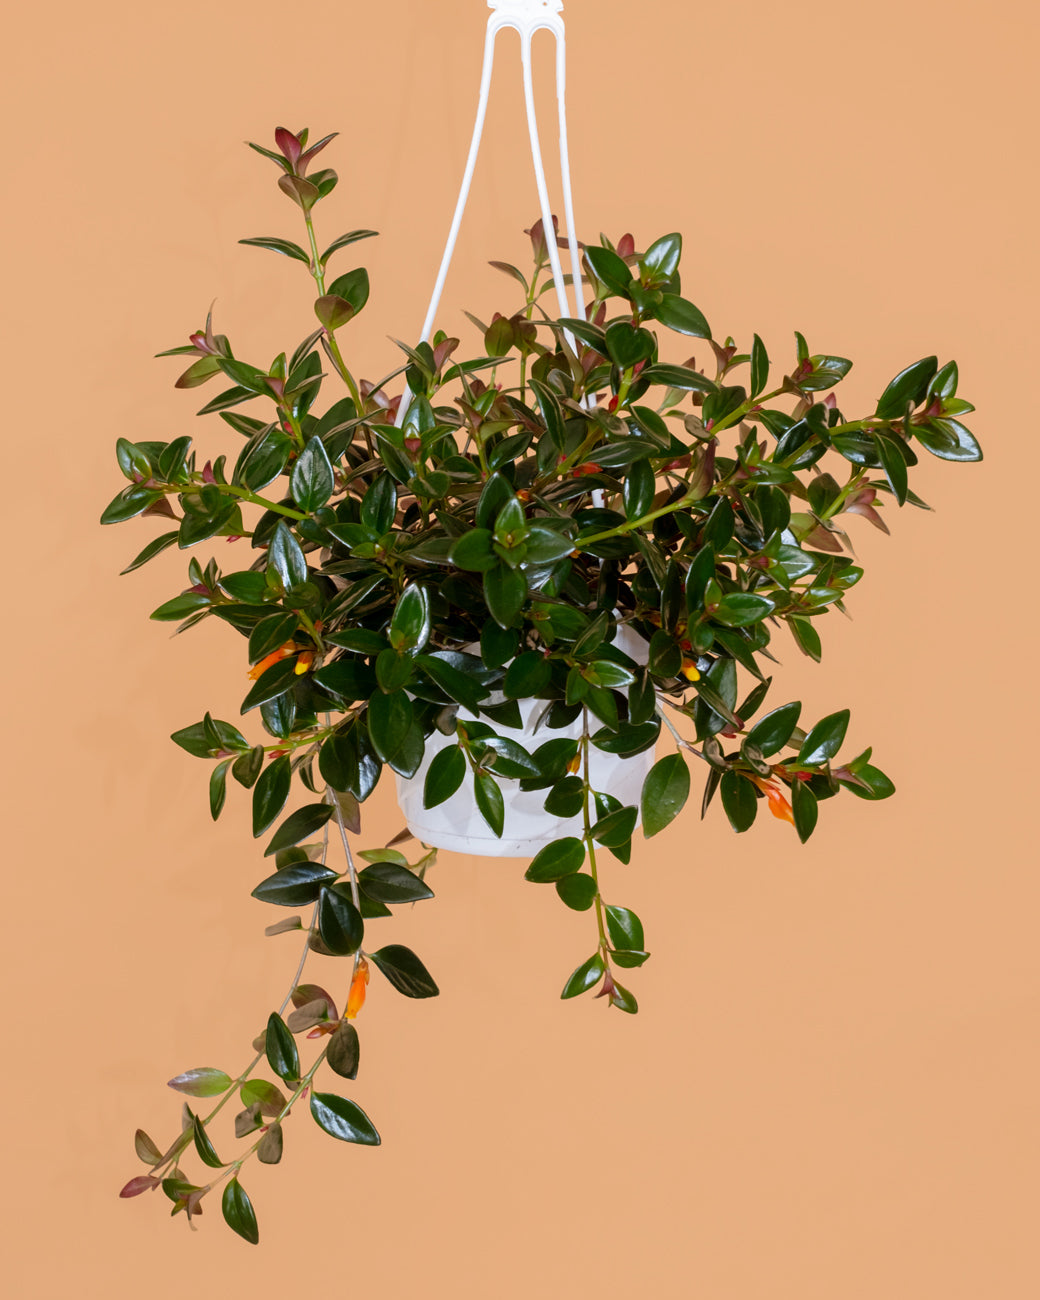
423	553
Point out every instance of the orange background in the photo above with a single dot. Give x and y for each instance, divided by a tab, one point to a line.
831	1088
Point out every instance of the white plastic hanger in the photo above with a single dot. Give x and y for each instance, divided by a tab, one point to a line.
525	17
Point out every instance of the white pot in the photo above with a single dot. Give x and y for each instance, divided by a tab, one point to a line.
457	825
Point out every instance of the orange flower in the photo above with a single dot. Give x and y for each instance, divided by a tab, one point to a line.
689	670
304	662
274	657
575	763
356	996
779	804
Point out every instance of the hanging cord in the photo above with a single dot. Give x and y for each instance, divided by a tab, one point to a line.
525	17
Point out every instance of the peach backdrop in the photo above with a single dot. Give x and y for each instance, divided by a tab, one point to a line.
831	1089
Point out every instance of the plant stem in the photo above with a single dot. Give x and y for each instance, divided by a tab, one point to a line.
254	499
590	844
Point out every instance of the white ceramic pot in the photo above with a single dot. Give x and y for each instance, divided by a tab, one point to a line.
456	824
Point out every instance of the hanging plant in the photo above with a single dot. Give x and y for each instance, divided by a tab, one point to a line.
565	549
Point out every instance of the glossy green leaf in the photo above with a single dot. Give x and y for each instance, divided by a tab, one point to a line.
405	971
271	792
380	505
299	825
584	978
154	548
759	366
505	591
578	891
218	788
489	802
625	929
238	1212
340	924
390	882
444	776
610	270
661	259
615	829
311	481
909	387
665	792
682	316
284	246
739	800
805	809
410	625
742	609
560	858
825	739
280	1047
295	885
390	718
893	462
343	1119
772	731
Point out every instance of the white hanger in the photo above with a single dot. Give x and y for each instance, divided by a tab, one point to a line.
525	17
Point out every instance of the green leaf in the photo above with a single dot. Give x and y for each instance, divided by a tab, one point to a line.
130	503
405	971
311	481
772	732
759	366
154	548
344	1050
247	767
472	551
353	286
270	793
947	439
284	246
489	801
561	858
280	1047
806	637
294	885
546	545
638	492
628	344
582	979
298	826
389	882
410	625
351	237
270	633
333	311
172	611
610	269
739	800
909	387
742	609
286	558
505	591
445	774
578	891
805	808
665	791
200	743
615	829
879	786
661	259
218	788
340	924
625	929
272	682
343	1119
681	316
238	1212
527	675
390	718
825	739
380	505
894	464
202	1082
